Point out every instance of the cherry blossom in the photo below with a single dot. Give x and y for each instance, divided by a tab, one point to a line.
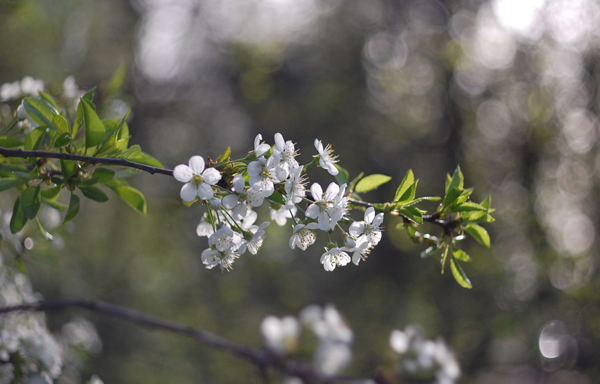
199	181
303	236
326	157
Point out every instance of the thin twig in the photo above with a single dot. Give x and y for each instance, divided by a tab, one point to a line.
6	152
259	358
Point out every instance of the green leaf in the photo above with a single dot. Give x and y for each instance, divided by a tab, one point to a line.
355	181
68	168
6	184
103	175
54	204
478	216
73	208
461	255
276	198
95	132
448	181
48	99
30	202
34	139
459	275
412	213
479	233
224	156
94	194
371	182
116	81
61	124
487	202
409	194
89	95
135	154
457	180
40	111
10	142
406	183
451	196
18	219
429	251
444	257
420	199
342	176
468	207
62	140
131	196
51	193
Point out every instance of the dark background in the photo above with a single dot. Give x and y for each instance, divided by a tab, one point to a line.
507	89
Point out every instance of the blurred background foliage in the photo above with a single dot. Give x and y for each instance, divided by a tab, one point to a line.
508	89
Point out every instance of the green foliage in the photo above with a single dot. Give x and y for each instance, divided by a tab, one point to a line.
371	182
39	182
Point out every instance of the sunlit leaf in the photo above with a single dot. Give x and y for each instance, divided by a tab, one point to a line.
406	183
371	182
479	233
459	275
461	255
40	112
95	132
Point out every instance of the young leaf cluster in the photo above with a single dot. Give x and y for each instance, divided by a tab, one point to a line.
47	130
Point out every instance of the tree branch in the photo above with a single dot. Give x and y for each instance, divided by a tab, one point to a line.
261	359
88	159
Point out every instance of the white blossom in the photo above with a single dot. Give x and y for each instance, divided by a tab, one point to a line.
323	202
260	148
367	230
264	174
295	188
335	257
303	236
326	157
287	152
281	215
199	181
281	335
258	237
242	198
423	358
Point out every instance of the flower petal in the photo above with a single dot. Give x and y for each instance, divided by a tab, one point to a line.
378	220
183	173
197	164
356	228
323	221
316	191
279	142
312	211
319	146
188	192
211	176
238	183
205	191
230	201
369	215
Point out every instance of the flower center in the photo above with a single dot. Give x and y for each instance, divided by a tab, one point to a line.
197	180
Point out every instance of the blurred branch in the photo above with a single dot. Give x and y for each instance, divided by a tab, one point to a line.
88	159
262	360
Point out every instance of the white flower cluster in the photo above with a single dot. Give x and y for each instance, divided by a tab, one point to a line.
28	351
283	336
26	87
416	357
232	191
424	358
